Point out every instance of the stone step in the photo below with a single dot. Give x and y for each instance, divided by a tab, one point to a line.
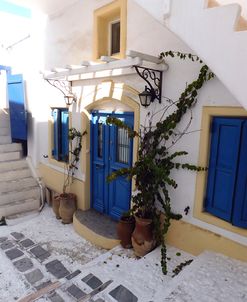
4	115
19	207
18	218
10	148
10	156
15	174
17	184
5	139
5	131
4	122
97	228
13	165
15	196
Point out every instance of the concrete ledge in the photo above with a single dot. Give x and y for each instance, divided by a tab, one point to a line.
94	232
196	240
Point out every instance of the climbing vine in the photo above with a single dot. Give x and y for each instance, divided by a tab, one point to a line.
156	160
75	145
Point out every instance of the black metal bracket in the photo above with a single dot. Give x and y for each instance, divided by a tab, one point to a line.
148	75
63	86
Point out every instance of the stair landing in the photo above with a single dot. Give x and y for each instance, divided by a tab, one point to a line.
96	228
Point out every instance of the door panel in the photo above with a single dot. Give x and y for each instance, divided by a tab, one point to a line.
18	117
98	162
120	157
112	150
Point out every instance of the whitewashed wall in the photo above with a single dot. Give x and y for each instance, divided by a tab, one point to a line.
69	41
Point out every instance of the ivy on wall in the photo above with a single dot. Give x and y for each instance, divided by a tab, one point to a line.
156	158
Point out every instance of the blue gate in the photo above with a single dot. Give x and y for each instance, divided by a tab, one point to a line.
18	116
111	150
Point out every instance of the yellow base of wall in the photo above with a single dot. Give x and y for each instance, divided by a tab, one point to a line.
195	240
54	179
94	238
182	235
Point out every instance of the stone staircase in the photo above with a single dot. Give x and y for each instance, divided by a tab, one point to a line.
19	191
216	33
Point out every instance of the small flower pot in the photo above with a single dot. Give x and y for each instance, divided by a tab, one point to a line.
67	207
125	228
143	239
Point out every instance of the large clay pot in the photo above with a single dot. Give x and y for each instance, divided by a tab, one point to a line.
125	228
67	207
56	205
143	240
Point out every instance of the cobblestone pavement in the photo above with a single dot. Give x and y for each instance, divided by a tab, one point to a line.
42	250
39	269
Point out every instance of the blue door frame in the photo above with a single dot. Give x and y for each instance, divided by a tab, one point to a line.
111	150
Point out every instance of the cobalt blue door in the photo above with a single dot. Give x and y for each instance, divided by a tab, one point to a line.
111	150
226	195
18	118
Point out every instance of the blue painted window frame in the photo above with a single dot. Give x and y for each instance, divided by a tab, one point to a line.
60	150
226	195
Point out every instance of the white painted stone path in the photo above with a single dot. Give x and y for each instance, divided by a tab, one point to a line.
210	277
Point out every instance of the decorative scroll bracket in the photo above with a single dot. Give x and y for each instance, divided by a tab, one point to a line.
64	87
148	75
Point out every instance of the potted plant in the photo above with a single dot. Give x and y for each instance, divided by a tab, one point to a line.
125	228
156	160
68	200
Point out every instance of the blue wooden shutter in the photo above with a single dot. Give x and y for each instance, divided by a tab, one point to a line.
225	145
64	135
56	133
240	203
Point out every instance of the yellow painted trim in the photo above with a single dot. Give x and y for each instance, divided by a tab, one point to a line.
102	17
201	180
52	160
54	179
94	238
195	240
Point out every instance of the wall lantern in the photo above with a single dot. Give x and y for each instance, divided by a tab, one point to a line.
65	88
151	92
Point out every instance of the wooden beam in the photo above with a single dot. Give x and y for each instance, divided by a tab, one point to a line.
41	292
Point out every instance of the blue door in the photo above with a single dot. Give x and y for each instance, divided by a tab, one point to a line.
111	150
18	117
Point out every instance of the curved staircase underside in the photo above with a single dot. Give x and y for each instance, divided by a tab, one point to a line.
217	34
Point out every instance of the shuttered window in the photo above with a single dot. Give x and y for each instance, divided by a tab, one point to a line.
226	195
60	131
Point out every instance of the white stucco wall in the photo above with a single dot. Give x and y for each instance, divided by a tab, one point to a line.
69	41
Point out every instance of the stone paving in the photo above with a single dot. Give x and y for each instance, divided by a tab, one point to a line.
34	262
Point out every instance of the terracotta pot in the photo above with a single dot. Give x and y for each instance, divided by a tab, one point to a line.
143	240
56	205
67	207
125	228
